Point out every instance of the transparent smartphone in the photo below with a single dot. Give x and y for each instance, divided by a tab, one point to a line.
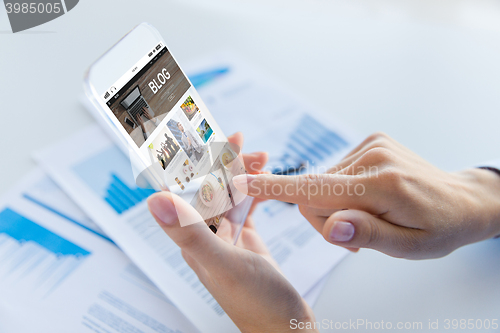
149	105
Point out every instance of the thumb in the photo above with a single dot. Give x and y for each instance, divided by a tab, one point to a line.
358	229
196	239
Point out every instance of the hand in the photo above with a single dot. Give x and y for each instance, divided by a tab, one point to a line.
385	197
244	279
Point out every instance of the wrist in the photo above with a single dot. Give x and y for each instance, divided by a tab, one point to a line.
483	187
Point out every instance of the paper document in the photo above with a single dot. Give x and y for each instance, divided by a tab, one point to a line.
242	97
59	273
97	176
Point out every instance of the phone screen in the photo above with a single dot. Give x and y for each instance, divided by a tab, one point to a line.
173	131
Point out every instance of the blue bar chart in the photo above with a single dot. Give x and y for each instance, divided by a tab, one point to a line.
121	197
309	144
109	174
34	257
203	78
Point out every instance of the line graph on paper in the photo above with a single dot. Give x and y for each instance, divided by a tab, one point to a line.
33	258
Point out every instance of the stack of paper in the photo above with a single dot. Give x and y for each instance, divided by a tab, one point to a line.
79	251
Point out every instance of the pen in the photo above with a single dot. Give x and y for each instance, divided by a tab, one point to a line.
290	170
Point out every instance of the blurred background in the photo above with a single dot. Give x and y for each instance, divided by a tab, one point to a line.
427	72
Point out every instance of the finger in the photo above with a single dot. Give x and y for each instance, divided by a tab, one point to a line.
371	140
352	249
363	159
321	211
226	230
236	138
254	205
195	266
249	222
358	229
236	142
320	191
255	162
355	155
376	140
197	240
367	163
318	222
199	270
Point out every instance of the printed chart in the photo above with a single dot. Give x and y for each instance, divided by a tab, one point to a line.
109	174
33	257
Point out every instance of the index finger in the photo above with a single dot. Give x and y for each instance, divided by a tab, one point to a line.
315	190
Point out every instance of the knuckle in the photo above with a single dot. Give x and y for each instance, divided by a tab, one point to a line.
377	136
334	169
311	178
376	156
311	181
381	153
373	234
395	181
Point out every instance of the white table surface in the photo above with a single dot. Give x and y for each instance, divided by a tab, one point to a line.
428	75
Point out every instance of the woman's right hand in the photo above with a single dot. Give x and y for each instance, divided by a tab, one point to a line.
385	197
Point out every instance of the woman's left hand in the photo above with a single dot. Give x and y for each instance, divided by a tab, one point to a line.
244	279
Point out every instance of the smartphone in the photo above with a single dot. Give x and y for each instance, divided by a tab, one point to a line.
147	102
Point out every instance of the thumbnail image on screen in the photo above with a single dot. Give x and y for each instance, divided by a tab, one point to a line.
204	130
190	108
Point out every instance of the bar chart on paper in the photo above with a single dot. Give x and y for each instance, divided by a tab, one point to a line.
297	134
32	258
109	174
203	78
310	143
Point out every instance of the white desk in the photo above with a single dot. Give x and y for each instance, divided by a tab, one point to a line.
433	83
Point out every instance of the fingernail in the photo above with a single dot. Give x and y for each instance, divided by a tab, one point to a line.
243	179
341	232
163	209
